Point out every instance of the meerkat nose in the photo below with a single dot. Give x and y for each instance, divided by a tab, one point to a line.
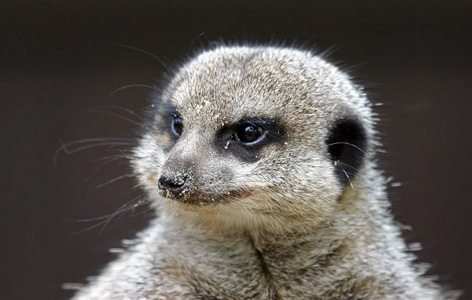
173	185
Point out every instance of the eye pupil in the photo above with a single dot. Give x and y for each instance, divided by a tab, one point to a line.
251	132
248	133
177	125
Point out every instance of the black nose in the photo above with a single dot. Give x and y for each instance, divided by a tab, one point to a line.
174	186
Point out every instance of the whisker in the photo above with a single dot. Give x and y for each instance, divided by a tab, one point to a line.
91	143
131	205
133	85
195	39
141	212
114	180
136	202
303	227
336	163
109	113
291	231
95	142
87	229
131	112
148	53
106	160
111	158
346	143
285	235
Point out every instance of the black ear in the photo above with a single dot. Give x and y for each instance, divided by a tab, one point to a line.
347	143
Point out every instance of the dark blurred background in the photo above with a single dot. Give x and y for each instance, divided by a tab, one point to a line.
60	60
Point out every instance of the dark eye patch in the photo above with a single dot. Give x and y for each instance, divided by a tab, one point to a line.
347	143
245	138
170	123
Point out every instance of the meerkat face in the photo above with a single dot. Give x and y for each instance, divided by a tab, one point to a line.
255	133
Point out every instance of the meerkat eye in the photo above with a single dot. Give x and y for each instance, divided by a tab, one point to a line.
177	125
248	133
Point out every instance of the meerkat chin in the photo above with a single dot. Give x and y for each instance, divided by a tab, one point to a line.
260	162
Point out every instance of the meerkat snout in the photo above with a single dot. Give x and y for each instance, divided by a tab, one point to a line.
178	176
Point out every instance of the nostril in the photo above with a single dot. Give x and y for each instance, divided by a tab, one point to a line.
174	185
171	182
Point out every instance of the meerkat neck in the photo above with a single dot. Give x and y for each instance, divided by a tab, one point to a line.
295	244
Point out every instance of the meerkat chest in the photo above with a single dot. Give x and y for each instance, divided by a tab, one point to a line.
234	268
199	266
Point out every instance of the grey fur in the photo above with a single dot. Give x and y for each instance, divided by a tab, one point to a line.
278	227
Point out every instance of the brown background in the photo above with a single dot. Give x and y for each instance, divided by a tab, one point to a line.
59	61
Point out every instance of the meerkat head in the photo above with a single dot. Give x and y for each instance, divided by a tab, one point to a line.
255	135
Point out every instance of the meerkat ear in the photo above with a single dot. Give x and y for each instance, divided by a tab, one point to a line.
346	144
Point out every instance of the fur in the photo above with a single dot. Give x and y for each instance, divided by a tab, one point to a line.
270	220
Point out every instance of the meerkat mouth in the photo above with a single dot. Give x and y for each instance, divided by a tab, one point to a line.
204	199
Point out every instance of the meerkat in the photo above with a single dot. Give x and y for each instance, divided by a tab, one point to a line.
260	163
